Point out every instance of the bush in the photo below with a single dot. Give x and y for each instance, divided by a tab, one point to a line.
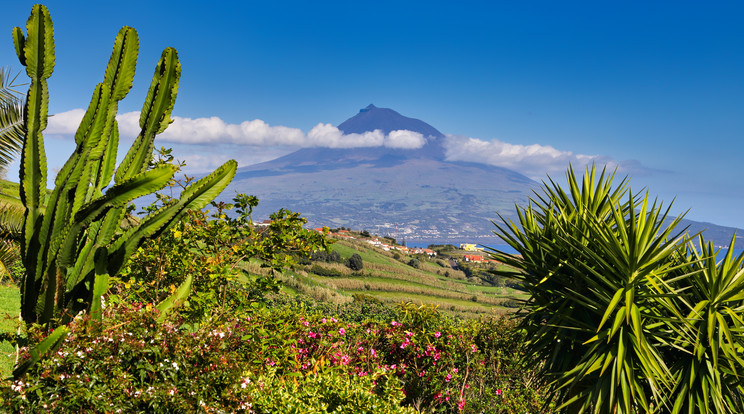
293	353
326	271
355	262
415	263
328	391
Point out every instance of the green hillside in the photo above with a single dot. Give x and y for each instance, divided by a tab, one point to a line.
9	192
387	276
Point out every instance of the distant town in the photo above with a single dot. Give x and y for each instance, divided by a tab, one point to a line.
477	254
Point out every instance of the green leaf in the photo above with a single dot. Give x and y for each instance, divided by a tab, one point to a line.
176	299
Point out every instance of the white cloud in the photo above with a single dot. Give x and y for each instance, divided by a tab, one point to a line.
257	141
201	159
532	160
405	139
213	130
64	123
327	135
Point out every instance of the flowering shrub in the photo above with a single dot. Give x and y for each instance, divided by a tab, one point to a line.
328	391
139	365
283	357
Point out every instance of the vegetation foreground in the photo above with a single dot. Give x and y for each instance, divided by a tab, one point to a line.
179	309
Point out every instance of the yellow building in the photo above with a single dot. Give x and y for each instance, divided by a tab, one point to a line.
469	247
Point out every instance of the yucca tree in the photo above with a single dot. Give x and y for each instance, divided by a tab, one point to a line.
72	240
707	330
595	259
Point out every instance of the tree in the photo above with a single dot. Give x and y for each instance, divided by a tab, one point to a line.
355	262
625	314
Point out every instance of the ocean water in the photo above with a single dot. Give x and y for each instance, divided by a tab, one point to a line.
503	247
508	249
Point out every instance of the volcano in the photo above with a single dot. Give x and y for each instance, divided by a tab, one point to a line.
415	194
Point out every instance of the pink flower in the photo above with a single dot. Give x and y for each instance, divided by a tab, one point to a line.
342	331
437	334
498	391
461	404
393	323
323	320
454	370
473	348
449	378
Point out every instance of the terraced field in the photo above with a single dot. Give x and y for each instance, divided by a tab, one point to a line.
387	277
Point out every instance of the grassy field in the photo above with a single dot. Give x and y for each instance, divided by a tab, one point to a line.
10	303
391	280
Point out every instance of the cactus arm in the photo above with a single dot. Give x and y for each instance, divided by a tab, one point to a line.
45	308
49	343
156	111
39	44
117	196
194	197
122	64
155	115
100	283
19	42
108	162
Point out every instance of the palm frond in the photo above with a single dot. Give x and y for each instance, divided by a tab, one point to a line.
11	119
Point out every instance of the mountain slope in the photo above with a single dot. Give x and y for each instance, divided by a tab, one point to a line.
414	194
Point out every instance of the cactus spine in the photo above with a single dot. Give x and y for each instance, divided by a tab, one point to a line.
72	241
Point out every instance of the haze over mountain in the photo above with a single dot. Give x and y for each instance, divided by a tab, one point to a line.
403	190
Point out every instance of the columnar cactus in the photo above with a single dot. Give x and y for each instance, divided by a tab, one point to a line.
72	240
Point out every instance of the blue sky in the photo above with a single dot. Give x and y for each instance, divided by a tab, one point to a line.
655	88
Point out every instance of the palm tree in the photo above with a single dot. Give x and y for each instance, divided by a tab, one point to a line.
11	141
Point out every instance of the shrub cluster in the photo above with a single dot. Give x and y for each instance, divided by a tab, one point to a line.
282	357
